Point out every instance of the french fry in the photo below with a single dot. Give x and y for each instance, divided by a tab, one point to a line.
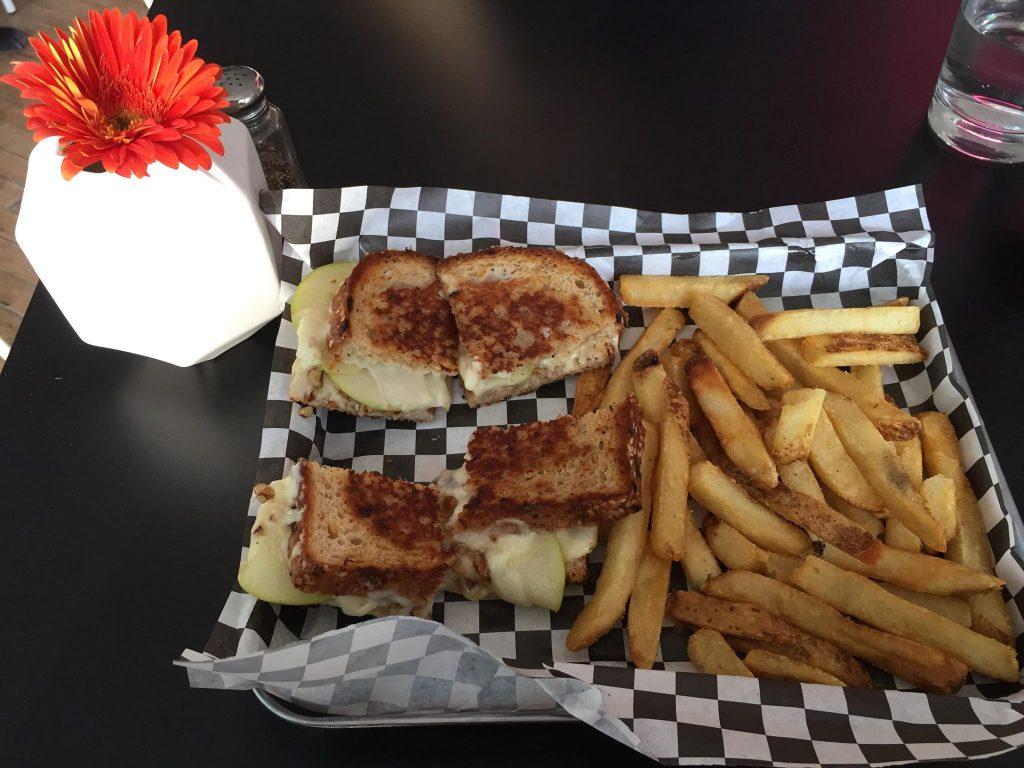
750	306
970	544
682	291
909	452
670	513
860	597
737	552
657	336
739	437
891	421
898	536
896	533
746	391
647	608
917	571
883	469
589	389
866	520
798	323
939	494
708	650
837	471
649	379
794	434
699	563
798	476
624	550
824	522
739	343
919	664
839	349
776	666
662	402
674	359
953	608
742	619
871	375
854	679
721	495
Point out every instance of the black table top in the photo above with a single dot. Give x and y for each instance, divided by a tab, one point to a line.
126	479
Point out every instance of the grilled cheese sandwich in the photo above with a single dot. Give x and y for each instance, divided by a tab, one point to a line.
527	317
382	344
368	544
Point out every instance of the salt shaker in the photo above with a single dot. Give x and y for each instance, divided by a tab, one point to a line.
265	121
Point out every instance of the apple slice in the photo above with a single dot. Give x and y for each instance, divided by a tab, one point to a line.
264	574
528	569
359	384
390	387
319	286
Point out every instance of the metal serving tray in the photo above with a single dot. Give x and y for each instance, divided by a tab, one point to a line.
298	716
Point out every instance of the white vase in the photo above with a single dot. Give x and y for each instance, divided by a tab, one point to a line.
178	266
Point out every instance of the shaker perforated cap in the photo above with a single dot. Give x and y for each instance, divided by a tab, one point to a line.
244	86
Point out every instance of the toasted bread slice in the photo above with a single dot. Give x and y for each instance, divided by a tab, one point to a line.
362	534
391	318
526	317
554	475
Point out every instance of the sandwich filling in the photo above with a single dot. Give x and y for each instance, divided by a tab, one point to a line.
378	386
514	561
592	351
266	574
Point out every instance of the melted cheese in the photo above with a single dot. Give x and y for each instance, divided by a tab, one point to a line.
381	603
471	373
574	542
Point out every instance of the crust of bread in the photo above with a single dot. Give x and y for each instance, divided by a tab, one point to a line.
361	532
515	306
392	307
557	474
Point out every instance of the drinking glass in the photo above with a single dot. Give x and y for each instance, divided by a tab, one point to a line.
978	105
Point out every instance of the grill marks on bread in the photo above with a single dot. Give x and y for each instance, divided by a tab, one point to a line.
514	305
556	474
362	532
514	322
392	306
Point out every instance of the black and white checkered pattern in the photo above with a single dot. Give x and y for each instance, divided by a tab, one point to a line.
850	252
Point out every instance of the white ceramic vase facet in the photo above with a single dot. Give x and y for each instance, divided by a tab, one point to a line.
178	266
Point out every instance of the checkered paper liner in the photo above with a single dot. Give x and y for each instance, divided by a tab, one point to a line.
842	253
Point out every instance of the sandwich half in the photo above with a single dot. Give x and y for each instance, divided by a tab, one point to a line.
526	317
523	510
384	344
368	544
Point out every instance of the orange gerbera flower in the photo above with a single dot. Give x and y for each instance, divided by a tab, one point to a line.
121	91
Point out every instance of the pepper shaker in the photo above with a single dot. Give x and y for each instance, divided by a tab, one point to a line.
248	104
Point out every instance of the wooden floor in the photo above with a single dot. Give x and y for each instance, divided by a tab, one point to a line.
17	280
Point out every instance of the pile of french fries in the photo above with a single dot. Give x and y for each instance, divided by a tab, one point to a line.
837	528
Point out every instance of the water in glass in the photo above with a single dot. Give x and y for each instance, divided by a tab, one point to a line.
978	106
